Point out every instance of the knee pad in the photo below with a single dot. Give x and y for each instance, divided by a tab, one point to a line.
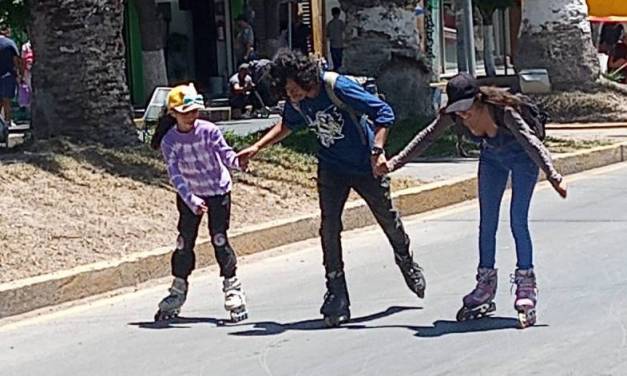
183	260
219	240
224	255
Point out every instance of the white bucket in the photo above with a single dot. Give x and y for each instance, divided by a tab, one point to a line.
534	81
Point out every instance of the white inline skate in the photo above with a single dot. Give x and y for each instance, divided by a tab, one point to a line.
234	299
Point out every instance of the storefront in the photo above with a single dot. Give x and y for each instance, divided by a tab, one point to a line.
446	30
201	35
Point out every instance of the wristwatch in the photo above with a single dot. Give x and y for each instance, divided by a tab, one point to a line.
376	151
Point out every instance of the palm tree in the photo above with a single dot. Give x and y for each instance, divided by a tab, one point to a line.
556	35
381	41
79	79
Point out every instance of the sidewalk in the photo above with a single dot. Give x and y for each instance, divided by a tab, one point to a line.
430	170
247	126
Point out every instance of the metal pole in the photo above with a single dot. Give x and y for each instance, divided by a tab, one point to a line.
289	24
469	38
504	36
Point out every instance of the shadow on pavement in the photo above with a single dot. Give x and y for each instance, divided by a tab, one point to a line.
267	328
177	323
445	327
262	328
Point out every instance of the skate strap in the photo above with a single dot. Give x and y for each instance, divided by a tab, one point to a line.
232	284
336	274
330	79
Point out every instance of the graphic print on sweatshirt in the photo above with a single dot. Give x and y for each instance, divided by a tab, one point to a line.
327	125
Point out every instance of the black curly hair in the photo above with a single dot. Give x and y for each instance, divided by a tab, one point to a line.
293	65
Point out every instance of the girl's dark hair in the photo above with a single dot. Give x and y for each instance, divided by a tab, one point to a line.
164	124
499	97
293	65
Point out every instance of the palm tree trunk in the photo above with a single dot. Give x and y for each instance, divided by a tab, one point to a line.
556	35
79	79
381	41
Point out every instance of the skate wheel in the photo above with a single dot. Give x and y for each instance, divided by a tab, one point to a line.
165	316
331	322
462	314
237	316
335	321
526	319
479	312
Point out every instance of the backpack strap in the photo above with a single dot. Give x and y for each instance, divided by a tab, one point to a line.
330	79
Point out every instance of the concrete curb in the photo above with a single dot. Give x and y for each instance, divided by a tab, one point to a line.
586	126
29	294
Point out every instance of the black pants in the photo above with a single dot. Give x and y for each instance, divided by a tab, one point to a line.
337	57
333	190
184	258
241	101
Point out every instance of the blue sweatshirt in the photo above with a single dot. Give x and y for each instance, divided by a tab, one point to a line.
343	147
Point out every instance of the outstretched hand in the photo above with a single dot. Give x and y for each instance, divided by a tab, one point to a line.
379	165
561	188
245	155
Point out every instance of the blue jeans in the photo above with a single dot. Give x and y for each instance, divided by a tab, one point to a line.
499	156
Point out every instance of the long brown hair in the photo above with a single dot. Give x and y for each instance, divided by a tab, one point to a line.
499	97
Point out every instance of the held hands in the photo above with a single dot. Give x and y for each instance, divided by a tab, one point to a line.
245	155
379	165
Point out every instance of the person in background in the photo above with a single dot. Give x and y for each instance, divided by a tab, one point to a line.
26	87
241	90
617	60
10	72
611	34
245	40
335	34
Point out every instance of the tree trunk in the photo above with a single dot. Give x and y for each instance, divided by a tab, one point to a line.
151	27
555	35
79	78
381	41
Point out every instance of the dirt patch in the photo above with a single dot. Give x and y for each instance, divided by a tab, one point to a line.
68	205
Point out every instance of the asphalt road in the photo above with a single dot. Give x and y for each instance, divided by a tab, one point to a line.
580	262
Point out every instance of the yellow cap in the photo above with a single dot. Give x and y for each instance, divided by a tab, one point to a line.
185	98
